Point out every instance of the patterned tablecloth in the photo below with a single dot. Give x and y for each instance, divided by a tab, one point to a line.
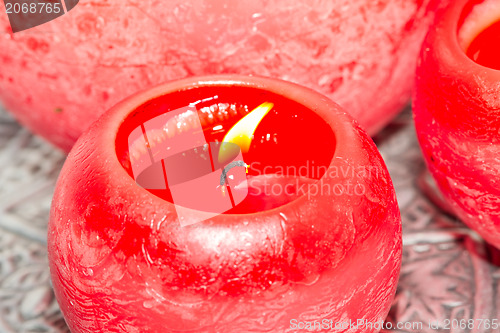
448	271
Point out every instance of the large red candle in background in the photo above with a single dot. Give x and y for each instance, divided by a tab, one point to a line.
317	238
457	111
59	77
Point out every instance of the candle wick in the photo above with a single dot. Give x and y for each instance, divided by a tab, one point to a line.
223	176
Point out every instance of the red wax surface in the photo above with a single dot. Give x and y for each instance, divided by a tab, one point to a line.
120	261
59	77
291	144
485	48
457	118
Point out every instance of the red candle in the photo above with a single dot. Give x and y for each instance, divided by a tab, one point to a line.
316	240
456	106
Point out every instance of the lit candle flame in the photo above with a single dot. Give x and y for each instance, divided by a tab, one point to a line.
242	132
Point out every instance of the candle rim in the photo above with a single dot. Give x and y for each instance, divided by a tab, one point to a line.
443	61
475	18
451	23
342	125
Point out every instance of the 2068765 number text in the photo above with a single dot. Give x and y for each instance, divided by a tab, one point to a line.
449	324
33	8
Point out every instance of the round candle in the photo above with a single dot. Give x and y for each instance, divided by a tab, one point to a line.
456	107
361	53
316	239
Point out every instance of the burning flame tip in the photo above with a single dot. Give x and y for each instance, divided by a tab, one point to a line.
242	133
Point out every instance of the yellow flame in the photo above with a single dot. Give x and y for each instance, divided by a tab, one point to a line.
242	132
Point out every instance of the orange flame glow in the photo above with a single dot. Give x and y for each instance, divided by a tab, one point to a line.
242	132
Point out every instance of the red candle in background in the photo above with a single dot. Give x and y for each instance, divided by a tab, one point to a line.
456	107
322	244
360	53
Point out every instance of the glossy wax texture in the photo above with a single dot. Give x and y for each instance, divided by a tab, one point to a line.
120	261
59	77
457	116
